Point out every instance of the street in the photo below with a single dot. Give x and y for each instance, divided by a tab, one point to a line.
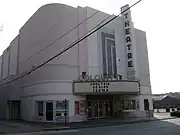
165	127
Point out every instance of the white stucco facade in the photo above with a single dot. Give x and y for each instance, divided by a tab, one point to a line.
54	81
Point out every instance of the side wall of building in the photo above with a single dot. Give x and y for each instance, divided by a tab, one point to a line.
142	61
5	63
47	79
1	61
56	91
143	66
13	61
44	36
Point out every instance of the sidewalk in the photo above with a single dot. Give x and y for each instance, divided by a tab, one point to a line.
105	122
102	122
10	127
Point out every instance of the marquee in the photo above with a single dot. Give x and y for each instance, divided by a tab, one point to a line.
106	87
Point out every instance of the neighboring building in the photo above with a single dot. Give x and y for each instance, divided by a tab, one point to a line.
115	57
166	102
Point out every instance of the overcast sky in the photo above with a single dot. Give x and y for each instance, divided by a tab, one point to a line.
159	18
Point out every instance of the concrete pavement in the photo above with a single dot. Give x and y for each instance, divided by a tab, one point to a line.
24	127
109	122
18	127
164	127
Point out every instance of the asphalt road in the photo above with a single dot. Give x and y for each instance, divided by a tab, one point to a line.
166	127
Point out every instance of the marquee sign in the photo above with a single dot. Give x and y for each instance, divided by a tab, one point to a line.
128	42
100	86
90	78
112	87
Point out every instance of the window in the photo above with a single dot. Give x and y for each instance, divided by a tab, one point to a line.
108	57
40	108
137	105
76	107
80	107
126	107
109	54
61	107
131	105
113	49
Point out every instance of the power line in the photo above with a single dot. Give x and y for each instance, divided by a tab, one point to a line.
26	73
70	46
63	35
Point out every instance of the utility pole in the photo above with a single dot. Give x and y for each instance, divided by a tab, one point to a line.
65	113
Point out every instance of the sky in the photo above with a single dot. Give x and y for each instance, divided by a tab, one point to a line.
159	18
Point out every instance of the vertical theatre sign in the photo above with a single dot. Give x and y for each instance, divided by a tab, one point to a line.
126	14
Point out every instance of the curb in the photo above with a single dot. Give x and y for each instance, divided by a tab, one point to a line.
91	126
103	125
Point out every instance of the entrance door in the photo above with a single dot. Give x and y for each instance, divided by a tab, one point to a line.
49	111
96	110
106	108
14	109
90	110
101	109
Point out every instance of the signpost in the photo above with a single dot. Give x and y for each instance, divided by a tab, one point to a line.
65	113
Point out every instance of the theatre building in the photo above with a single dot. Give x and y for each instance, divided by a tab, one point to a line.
104	75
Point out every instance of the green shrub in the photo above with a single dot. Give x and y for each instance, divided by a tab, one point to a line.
176	113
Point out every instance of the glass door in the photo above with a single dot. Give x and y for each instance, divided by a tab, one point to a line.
96	109
106	108
49	111
101	109
90	109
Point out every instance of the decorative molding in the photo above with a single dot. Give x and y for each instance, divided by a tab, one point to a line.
67	65
47	81
46	94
